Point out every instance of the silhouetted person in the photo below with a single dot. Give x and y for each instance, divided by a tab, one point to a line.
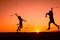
51	19
20	22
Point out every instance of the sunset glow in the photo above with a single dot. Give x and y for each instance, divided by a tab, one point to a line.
37	31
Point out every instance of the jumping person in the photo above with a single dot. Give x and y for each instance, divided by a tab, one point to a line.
51	19
20	22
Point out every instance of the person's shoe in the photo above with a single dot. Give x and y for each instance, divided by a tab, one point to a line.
17	30
48	29
58	28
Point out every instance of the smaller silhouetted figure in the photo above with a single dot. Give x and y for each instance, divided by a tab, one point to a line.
20	22
51	19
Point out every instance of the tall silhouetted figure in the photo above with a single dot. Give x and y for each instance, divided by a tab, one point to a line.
51	19
20	22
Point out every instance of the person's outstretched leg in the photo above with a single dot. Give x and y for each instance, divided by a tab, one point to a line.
49	26
18	28
56	25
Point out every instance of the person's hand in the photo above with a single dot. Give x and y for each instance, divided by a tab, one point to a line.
17	24
11	15
15	13
46	16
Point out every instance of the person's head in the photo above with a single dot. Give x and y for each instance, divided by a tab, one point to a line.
19	16
51	8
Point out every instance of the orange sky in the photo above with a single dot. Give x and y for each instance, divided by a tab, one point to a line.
31	10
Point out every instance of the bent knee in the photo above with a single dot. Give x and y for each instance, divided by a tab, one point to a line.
20	26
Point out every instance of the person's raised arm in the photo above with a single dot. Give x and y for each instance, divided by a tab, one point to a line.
16	14
46	14
24	20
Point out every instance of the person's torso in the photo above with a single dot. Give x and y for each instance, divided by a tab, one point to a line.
51	15
20	20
